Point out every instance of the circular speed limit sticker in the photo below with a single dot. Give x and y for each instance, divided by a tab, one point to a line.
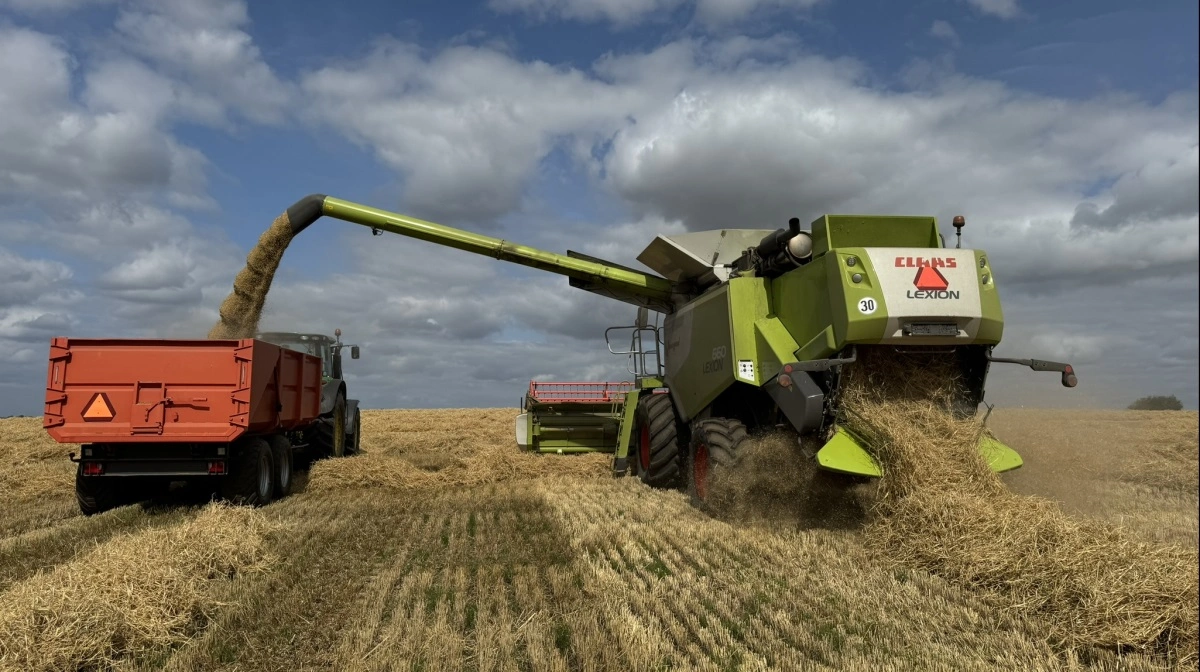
867	306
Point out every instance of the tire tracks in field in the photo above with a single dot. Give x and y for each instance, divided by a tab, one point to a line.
25	554
487	584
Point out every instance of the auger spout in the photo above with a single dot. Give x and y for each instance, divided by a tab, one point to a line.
624	284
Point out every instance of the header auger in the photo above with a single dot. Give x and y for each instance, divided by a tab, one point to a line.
758	326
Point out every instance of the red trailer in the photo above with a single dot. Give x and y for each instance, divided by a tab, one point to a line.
231	412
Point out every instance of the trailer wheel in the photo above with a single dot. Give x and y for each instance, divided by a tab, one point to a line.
715	442
95	494
658	459
330	433
252	477
281	453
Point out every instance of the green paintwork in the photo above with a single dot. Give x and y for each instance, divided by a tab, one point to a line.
618	279
991	327
843	455
999	456
627	423
833	232
576	426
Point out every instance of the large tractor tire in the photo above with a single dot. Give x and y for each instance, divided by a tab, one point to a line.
715	443
281	453
95	494
251	479
355	442
330	434
659	457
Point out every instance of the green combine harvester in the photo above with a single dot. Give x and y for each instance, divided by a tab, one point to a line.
757	327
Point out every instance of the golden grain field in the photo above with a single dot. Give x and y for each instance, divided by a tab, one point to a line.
443	548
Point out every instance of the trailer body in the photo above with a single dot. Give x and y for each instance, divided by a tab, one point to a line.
230	416
137	391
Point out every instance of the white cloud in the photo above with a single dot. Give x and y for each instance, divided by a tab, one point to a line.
50	6
943	30
26	280
625	13
1004	9
53	149
205	46
619	12
467	127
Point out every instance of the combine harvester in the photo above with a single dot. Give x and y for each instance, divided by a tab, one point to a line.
758	327
229	415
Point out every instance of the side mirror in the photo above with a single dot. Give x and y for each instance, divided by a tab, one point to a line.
354	352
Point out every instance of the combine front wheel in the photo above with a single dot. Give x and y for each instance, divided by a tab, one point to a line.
715	444
658	458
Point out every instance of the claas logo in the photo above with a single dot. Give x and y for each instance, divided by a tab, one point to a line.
99	408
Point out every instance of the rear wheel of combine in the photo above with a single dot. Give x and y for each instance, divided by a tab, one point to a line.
330	434
658	461
715	443
281	454
95	494
251	480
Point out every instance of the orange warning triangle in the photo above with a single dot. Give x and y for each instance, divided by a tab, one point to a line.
98	408
930	279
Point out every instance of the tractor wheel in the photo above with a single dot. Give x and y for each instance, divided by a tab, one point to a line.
95	494
715	442
659	459
251	480
281	454
353	444
330	439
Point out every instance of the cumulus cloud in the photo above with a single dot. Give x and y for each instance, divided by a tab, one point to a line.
944	31
626	13
467	126
50	6
25	280
1003	9
54	149
619	12
206	46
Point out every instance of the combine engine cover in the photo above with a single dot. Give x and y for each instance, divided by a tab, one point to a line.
923	296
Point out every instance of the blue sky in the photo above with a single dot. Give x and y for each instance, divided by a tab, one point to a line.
147	144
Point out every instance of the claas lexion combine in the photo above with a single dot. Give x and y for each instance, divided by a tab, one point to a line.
757	327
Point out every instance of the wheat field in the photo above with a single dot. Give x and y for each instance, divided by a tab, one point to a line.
444	548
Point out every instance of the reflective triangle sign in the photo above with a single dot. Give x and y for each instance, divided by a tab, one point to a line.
98	408
930	279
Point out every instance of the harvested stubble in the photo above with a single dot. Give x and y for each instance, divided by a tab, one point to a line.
943	510
445	447
128	596
242	309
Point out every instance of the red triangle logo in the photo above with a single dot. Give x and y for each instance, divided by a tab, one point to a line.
930	279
